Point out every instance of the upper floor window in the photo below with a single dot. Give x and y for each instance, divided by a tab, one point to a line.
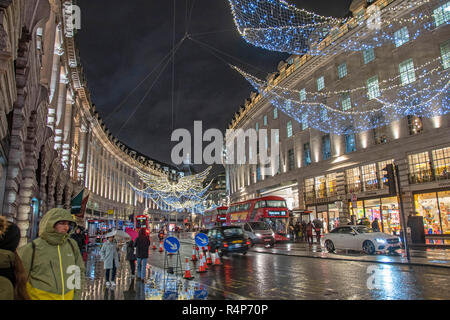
407	72
257	126
320	83
289	129
369	177
419	167
368	55
414	125
307	154
265	120
326	147
346	102
350	143
445	54
302	95
353	180
323	114
342	70
373	89
401	37
320	187
442	14
275	113
304	121
291	160
441	163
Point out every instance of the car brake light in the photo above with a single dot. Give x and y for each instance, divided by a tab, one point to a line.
225	245
248	242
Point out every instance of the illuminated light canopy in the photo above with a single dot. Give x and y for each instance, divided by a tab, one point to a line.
276	25
357	110
188	193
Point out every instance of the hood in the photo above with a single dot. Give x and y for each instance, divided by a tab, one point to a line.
381	235
46	226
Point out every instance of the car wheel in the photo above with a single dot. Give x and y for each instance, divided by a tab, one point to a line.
368	247
330	246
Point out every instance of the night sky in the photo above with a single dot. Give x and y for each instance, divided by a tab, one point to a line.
121	42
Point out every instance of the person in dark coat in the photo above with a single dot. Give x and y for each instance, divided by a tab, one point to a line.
375	225
79	237
309	233
142	244
131	257
13	277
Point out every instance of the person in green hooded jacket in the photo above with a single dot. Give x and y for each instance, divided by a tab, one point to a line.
53	262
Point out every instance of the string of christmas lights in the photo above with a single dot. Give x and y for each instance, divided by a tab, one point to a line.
422	92
278	26
387	83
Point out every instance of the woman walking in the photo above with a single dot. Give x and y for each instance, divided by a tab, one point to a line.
142	243
131	257
110	257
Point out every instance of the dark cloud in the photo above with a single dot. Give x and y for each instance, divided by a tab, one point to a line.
122	41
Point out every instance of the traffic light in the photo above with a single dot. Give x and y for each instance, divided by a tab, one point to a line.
389	178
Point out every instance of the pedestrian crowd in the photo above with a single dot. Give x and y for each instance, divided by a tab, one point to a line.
52	266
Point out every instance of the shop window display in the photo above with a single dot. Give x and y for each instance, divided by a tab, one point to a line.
444	209
390	215
333	217
372	210
427	206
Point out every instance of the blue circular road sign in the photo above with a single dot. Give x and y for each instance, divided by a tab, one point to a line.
201	240
171	244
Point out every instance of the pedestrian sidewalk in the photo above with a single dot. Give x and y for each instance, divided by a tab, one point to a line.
421	257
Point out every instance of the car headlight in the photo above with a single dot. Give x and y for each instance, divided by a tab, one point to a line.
380	240
258	234
273	234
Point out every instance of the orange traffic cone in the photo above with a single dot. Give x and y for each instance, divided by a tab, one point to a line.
217	260
187	272
201	266
194	256
208	257
160	246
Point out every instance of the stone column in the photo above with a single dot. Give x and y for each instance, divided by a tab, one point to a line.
67	131
344	213
60	111
68	192
82	155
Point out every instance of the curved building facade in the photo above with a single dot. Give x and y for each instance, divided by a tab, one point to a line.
52	141
334	177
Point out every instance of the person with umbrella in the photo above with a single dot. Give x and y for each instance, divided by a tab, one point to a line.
110	258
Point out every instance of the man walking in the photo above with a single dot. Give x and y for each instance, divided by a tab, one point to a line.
53	261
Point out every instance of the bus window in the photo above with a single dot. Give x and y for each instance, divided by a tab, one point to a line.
275	204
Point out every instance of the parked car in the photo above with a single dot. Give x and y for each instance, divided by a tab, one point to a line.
259	233
228	239
360	238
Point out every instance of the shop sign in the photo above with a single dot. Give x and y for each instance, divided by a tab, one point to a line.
322	208
110	211
444	184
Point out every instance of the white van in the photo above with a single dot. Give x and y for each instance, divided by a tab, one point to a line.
259	232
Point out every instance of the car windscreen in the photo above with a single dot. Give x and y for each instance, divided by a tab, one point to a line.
259	225
363	230
233	232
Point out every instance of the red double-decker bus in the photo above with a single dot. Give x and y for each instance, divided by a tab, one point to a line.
142	222
215	217
271	209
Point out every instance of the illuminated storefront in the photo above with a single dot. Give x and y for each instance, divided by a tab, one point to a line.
327	213
385	209
434	207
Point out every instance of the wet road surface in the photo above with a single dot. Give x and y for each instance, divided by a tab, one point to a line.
262	276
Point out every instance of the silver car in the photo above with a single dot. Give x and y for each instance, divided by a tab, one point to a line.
259	232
